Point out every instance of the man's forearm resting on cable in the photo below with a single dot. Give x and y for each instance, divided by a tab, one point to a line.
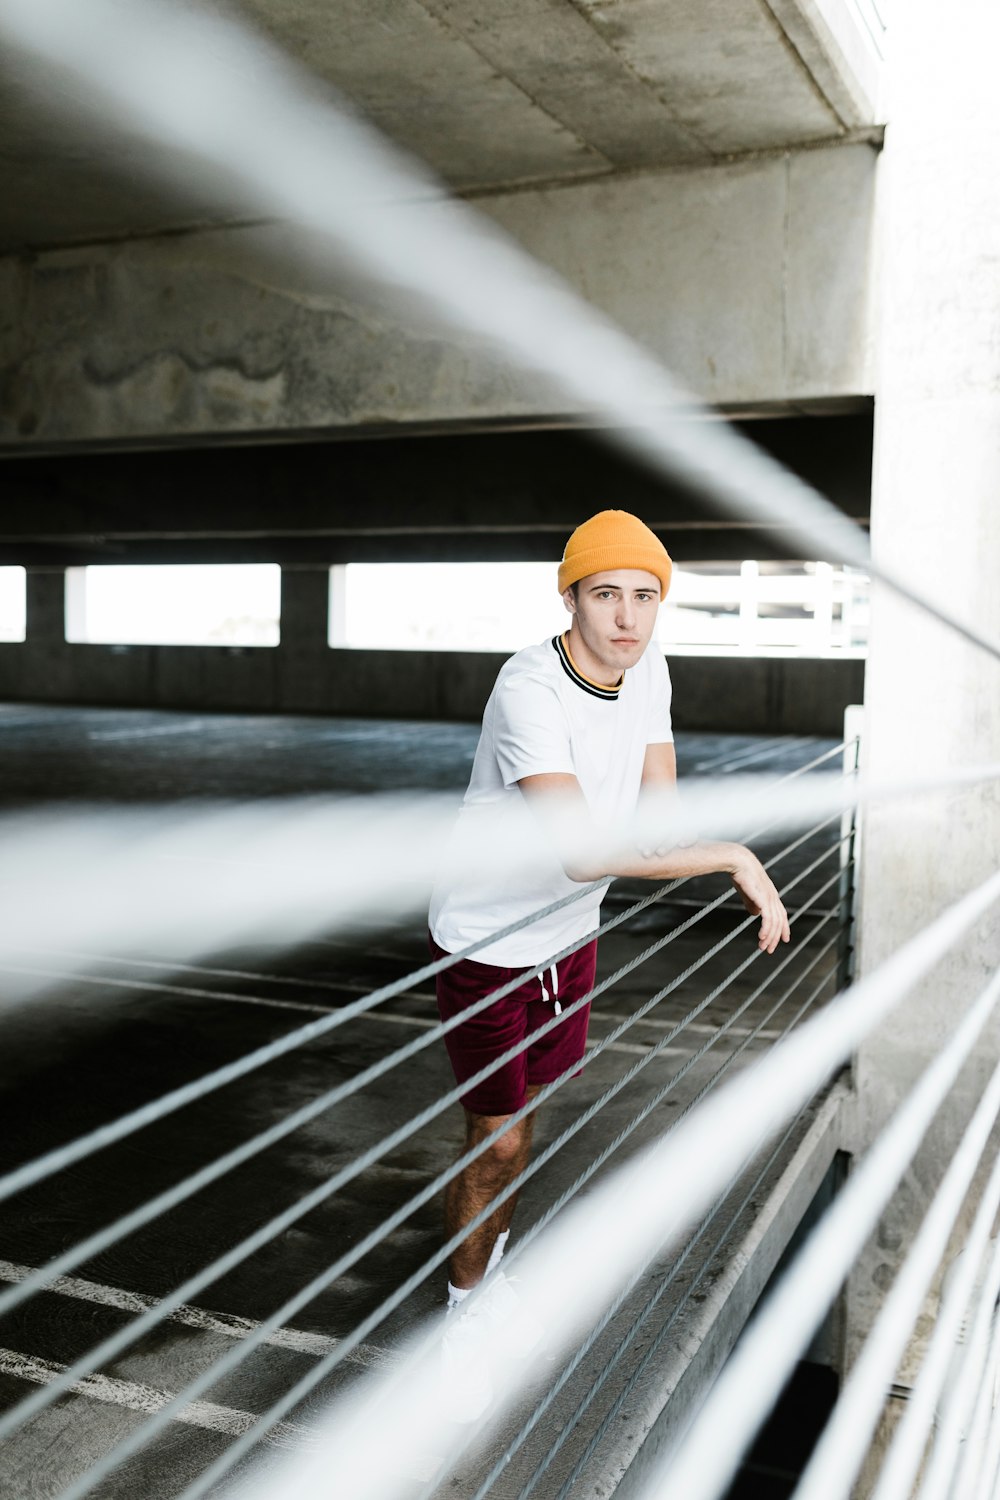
559	803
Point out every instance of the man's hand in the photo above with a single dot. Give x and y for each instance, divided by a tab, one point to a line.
758	894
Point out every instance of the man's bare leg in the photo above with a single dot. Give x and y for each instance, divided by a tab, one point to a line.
476	1187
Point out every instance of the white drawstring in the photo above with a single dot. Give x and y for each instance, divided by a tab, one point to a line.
554	981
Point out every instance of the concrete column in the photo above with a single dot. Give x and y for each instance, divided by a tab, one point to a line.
933	702
45	606
39	668
305	657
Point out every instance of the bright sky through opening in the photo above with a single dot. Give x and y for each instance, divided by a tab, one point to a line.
12	604
747	608
751	608
214	604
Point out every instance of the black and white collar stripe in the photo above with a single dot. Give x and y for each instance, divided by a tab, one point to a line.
595	689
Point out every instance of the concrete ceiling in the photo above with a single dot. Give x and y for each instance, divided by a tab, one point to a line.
491	93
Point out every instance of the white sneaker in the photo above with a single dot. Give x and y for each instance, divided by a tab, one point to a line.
518	1333
465	1372
494	1327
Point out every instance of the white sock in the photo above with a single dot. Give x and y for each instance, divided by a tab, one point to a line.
496	1254
457	1294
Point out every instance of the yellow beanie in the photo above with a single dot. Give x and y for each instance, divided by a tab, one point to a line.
613	539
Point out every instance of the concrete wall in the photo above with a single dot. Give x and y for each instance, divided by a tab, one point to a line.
748	278
933	700
303	674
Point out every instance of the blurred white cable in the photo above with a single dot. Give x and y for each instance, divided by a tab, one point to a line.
967	1477
976	1472
989	1476
748	1386
623	1222
994	1457
181	882
961	1395
944	1350
839	1453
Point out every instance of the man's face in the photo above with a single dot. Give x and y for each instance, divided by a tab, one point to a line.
614	614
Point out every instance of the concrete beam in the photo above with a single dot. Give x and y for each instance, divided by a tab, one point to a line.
748	279
512	496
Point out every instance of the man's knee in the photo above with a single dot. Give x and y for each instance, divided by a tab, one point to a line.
507	1146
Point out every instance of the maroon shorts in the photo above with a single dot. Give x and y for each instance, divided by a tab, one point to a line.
499	1026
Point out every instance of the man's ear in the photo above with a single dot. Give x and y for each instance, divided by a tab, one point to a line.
569	600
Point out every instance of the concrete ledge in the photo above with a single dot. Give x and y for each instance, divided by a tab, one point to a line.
707	1331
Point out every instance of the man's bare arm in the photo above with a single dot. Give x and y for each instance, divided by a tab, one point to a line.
558	801
659	767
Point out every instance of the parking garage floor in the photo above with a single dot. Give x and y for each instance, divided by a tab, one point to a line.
96	1045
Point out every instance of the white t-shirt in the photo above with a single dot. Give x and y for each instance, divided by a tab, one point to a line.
543	716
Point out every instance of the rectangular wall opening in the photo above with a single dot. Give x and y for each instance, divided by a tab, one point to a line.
13	603
443	606
713	609
187	604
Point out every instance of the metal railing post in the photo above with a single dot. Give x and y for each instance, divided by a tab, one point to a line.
847	890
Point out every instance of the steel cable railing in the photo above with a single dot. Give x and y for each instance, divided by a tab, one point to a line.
964	1472
325	1366
659	1046
111	1347
700	1157
813	865
839	1453
902	1461
988	1479
159	1205
106	1135
63	1156
44	1166
371	999
94	1244
639	1320
785	1326
966	1387
185	1293
597	1161
970	1477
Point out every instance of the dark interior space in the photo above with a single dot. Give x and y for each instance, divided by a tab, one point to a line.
511	495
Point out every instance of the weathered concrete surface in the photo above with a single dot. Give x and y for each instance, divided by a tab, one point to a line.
933	702
488	92
748	280
708	54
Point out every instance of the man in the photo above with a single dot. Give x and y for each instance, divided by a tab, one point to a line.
575	730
